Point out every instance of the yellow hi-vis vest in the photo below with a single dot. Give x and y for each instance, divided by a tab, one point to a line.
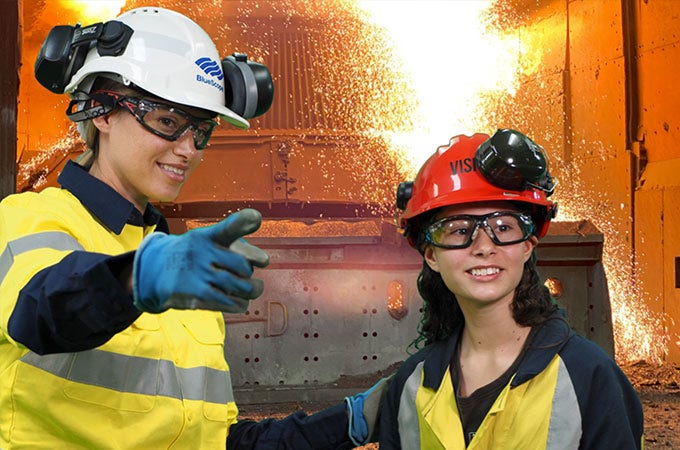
161	383
517	420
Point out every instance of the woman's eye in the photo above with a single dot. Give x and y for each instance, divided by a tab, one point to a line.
457	229
169	123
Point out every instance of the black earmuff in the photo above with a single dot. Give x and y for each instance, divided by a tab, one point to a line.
249	88
404	193
510	160
64	50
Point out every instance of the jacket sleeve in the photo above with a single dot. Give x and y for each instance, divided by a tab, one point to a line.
390	438
610	407
324	430
73	305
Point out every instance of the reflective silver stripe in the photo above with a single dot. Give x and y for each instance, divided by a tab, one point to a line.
55	240
137	375
564	432
409	427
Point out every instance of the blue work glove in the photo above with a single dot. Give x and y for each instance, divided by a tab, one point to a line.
205	268
363	410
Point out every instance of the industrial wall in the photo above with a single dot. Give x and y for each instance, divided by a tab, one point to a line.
601	94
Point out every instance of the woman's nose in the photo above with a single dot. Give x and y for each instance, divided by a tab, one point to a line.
482	243
184	145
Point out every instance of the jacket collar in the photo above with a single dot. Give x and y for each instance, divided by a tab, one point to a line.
105	203
549	339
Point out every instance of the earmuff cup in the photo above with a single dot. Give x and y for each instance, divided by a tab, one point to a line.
249	87
65	48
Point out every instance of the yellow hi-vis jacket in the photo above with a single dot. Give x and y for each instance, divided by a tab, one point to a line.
566	394
80	368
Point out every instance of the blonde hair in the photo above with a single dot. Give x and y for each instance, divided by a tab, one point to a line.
87	129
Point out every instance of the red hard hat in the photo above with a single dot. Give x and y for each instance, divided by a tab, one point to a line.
473	169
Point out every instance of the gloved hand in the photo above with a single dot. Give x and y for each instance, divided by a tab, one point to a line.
363	410
204	268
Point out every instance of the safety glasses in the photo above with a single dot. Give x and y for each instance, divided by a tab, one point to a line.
167	121
504	228
163	120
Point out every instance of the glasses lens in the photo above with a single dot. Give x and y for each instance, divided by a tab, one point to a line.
167	121
452	232
510	228
202	131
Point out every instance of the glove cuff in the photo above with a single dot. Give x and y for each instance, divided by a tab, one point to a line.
352	404
140	288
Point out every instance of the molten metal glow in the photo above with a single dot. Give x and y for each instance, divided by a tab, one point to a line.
462	73
466	75
92	11
451	60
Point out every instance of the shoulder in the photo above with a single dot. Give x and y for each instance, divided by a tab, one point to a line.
52	208
432	359
593	372
584	355
50	198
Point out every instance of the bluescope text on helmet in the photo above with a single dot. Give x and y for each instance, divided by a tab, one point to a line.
162	52
212	70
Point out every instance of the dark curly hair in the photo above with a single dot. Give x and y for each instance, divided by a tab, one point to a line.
531	305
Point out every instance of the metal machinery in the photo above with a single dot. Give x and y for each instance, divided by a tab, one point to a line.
340	305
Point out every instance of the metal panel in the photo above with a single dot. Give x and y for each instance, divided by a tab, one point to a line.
337	324
660	96
324	315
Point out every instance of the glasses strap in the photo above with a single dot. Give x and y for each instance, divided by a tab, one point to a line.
86	106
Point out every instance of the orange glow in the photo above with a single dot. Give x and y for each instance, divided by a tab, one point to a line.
89	11
41	134
555	287
462	72
396	307
470	78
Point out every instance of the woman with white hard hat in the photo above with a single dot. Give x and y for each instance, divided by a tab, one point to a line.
111	330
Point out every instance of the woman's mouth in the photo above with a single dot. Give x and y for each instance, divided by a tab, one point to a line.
174	172
483	271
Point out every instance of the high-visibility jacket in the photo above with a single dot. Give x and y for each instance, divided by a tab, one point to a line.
82	368
566	394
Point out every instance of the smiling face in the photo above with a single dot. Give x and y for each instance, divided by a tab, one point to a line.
483	273
140	165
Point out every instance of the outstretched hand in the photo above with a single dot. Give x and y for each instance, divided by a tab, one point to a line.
205	268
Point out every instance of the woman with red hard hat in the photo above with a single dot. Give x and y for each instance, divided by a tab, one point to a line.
500	367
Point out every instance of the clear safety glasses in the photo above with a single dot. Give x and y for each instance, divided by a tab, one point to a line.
163	120
504	228
167	121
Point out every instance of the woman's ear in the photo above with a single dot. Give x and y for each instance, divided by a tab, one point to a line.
431	258
103	123
529	246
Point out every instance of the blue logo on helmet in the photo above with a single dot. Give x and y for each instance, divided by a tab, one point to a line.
210	67
213	70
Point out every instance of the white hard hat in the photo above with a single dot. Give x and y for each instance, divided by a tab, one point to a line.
168	55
